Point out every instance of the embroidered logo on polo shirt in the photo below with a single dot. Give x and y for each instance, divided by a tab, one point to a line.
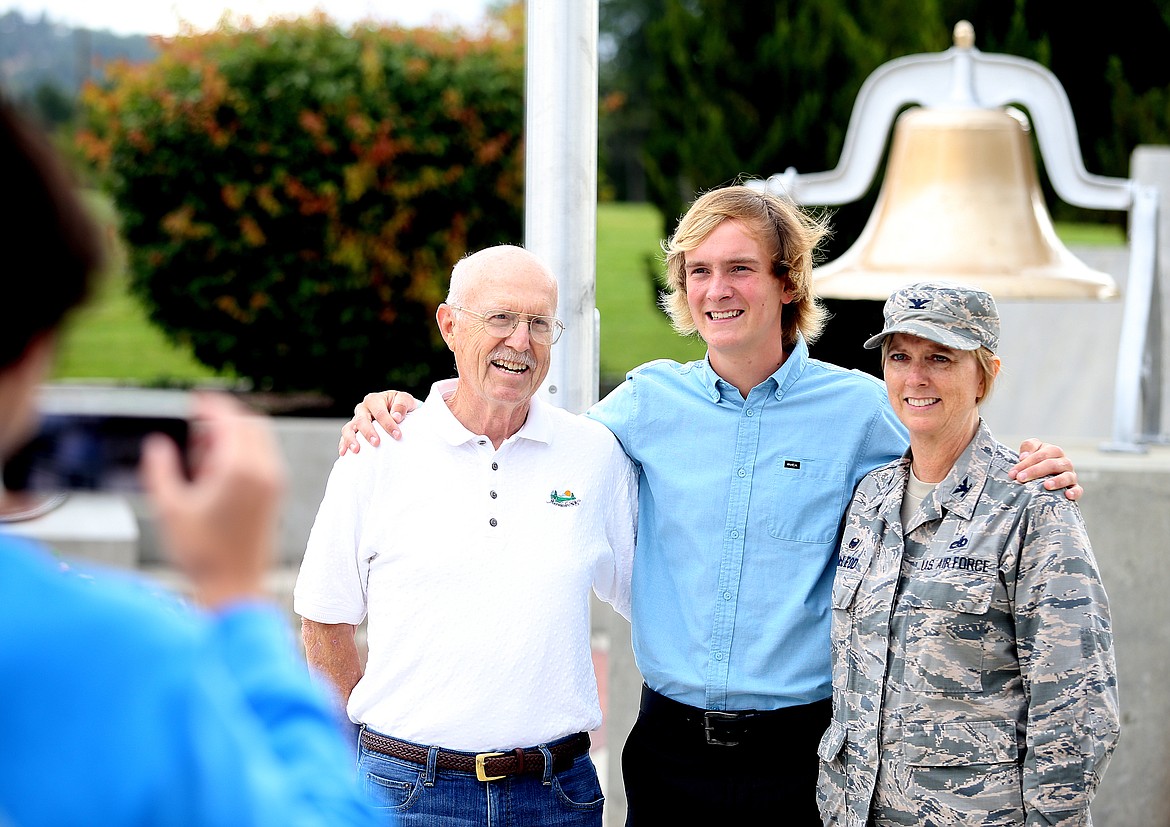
563	500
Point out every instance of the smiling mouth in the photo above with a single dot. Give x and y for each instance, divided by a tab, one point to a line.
718	315
510	367
921	403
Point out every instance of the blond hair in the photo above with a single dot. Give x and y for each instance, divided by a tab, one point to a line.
789	236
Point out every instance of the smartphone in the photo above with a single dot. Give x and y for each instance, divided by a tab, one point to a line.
89	452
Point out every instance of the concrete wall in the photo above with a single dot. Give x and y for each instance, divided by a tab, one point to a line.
1127	511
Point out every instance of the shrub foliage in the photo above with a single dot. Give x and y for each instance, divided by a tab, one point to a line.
294	196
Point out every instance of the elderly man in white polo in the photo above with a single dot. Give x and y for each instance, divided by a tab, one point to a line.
471	546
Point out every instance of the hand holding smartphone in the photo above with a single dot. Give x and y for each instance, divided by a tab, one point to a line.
88	452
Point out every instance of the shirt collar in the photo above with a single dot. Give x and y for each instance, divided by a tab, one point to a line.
958	493
537	426
960	490
779	381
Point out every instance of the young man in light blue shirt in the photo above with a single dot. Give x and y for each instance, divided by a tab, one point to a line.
746	460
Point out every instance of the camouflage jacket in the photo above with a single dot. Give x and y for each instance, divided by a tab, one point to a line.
973	672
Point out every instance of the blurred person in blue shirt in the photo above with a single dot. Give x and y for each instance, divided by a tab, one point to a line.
118	704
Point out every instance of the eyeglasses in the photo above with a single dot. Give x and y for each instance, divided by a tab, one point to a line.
544	330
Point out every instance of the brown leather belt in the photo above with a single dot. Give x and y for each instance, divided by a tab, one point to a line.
487	766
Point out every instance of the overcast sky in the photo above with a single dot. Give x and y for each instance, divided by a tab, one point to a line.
164	16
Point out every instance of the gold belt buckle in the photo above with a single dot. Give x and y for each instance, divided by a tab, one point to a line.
479	771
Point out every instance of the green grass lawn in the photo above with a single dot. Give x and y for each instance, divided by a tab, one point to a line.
629	263
1091	235
111	339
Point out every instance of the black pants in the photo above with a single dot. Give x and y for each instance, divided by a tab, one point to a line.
763	772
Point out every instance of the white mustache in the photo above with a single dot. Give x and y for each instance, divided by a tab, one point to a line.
508	355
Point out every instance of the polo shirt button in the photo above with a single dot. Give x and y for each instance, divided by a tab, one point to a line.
483	442
750	412
718	656
735	535
727	595
742	472
493	522
495	466
493	495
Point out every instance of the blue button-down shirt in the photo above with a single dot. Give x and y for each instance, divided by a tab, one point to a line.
740	508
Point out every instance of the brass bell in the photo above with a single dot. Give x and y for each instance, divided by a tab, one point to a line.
961	201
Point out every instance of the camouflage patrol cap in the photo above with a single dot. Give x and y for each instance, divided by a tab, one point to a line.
954	315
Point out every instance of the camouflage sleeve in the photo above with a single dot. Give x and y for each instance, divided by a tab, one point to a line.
1065	644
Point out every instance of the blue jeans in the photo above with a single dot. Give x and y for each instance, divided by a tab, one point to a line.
424	796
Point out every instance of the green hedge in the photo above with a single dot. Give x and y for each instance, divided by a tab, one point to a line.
294	196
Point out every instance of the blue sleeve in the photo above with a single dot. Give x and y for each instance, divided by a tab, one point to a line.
616	412
887	441
122	707
264	743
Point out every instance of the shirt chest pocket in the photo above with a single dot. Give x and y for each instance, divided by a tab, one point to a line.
947	633
807	500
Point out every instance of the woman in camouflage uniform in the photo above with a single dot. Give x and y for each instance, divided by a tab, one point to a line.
973	673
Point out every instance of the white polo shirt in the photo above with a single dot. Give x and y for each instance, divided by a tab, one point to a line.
474	566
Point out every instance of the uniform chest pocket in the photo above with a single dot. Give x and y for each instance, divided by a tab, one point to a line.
845	589
844	593
807	499
947	633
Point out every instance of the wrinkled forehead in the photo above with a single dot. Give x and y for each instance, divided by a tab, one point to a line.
511	280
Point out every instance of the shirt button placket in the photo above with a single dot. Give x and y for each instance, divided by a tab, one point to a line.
732	562
493	522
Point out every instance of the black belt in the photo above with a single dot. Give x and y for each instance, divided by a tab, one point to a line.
731	728
487	766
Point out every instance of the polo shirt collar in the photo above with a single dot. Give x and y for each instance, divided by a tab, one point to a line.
537	426
780	381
